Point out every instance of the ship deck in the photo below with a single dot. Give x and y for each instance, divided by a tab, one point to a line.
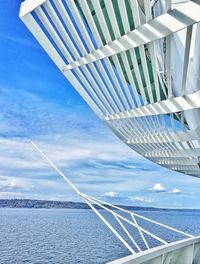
181	252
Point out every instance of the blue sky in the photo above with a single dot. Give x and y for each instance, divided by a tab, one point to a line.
38	103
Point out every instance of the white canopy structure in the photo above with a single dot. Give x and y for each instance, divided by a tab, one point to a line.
137	65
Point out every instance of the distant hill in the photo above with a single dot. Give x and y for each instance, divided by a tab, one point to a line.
28	203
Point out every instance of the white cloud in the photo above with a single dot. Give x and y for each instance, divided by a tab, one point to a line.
140	199
10	183
21	154
111	195
77	156
12	195
158	188
176	190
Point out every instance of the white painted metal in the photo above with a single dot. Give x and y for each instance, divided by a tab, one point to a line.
137	215
157	28
173	105
127	79
181	252
115	211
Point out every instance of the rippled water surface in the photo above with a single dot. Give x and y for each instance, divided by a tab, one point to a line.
73	236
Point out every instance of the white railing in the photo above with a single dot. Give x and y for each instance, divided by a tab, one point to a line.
96	204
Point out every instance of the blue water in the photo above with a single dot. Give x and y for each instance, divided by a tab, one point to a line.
72	236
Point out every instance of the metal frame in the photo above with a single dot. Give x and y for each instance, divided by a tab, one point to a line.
180	252
111	71
117	212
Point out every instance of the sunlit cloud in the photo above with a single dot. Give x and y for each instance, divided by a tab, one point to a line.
176	191
111	195
140	199
12	195
158	188
9	183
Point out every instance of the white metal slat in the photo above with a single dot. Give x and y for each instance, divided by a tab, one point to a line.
130	78
112	89
104	88
89	18
35	29
159	143
68	42
173	105
104	26
148	16
127	29
65	52
169	137
43	18
140	129
124	83
61	9
131	130
94	85
56	21
102	22
178	153
156	29
175	162
58	3
186	58
79	22
60	44
135	12
89	87
152	55
160	135
116	82
75	35
114	23
138	76
115	27
168	4
84	68
143	127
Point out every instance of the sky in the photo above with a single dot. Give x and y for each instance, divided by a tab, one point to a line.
37	103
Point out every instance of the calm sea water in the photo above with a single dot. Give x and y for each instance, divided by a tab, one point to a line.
73	236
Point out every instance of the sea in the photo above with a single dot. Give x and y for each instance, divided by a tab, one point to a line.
75	236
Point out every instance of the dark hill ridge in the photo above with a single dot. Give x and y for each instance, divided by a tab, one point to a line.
28	203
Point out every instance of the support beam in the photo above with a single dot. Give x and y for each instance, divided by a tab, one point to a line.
172	105
185	153
29	5
155	29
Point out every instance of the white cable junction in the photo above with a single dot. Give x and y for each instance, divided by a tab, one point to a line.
96	204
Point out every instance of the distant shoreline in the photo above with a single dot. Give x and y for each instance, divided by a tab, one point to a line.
39	204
